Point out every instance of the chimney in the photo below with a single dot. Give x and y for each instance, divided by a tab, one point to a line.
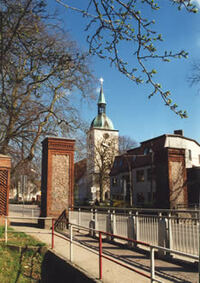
178	132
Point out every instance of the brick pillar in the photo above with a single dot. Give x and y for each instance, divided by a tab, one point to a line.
177	178
171	179
5	166
57	176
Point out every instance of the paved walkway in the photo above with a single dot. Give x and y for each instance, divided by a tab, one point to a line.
88	259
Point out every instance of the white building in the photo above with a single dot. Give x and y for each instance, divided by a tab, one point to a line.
102	146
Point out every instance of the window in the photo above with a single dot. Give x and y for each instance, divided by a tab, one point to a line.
114	181
120	162
140	197
149	174
115	164
140	175
190	154
146	150
149	196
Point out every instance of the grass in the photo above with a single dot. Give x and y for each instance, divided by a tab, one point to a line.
20	265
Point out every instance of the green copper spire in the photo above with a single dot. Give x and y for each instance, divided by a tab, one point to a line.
102	121
101	95
101	102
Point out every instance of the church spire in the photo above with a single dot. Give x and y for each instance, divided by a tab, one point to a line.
101	121
101	102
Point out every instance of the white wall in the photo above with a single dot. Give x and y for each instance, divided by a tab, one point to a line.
187	144
94	137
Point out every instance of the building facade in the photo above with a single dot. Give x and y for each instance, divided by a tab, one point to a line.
155	174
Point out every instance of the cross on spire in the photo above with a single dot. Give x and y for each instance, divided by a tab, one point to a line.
101	81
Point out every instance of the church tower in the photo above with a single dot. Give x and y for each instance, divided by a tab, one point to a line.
102	147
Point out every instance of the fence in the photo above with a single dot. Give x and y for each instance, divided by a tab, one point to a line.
172	232
70	238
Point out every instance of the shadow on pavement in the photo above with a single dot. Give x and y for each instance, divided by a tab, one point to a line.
24	224
173	270
56	269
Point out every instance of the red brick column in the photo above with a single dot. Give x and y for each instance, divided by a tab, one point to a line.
57	176
171	178
177	178
5	166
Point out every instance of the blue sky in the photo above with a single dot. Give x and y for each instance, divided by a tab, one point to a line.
128	106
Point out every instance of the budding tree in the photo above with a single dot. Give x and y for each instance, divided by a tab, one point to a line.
112	24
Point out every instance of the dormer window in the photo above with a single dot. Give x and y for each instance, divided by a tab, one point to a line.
146	150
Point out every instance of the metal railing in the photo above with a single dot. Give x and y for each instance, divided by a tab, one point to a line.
72	241
152	249
172	232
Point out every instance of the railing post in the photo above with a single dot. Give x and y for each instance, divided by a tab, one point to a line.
92	224
52	234
170	242
161	234
95	220
91	216
130	228
152	264
6	230
79	218
71	242
114	223
108	225
137	228
100	256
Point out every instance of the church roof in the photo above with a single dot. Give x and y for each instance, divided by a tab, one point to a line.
102	121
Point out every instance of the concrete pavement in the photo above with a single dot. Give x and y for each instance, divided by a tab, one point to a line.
88	259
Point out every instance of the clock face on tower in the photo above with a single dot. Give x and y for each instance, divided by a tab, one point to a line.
106	136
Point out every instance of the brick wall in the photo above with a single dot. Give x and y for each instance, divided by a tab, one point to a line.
5	166
57	176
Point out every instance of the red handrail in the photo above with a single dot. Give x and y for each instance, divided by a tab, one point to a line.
100	255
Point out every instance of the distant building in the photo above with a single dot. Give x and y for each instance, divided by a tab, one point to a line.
156	172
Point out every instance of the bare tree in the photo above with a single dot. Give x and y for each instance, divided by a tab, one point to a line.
194	78
111	24
126	143
40	67
101	160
